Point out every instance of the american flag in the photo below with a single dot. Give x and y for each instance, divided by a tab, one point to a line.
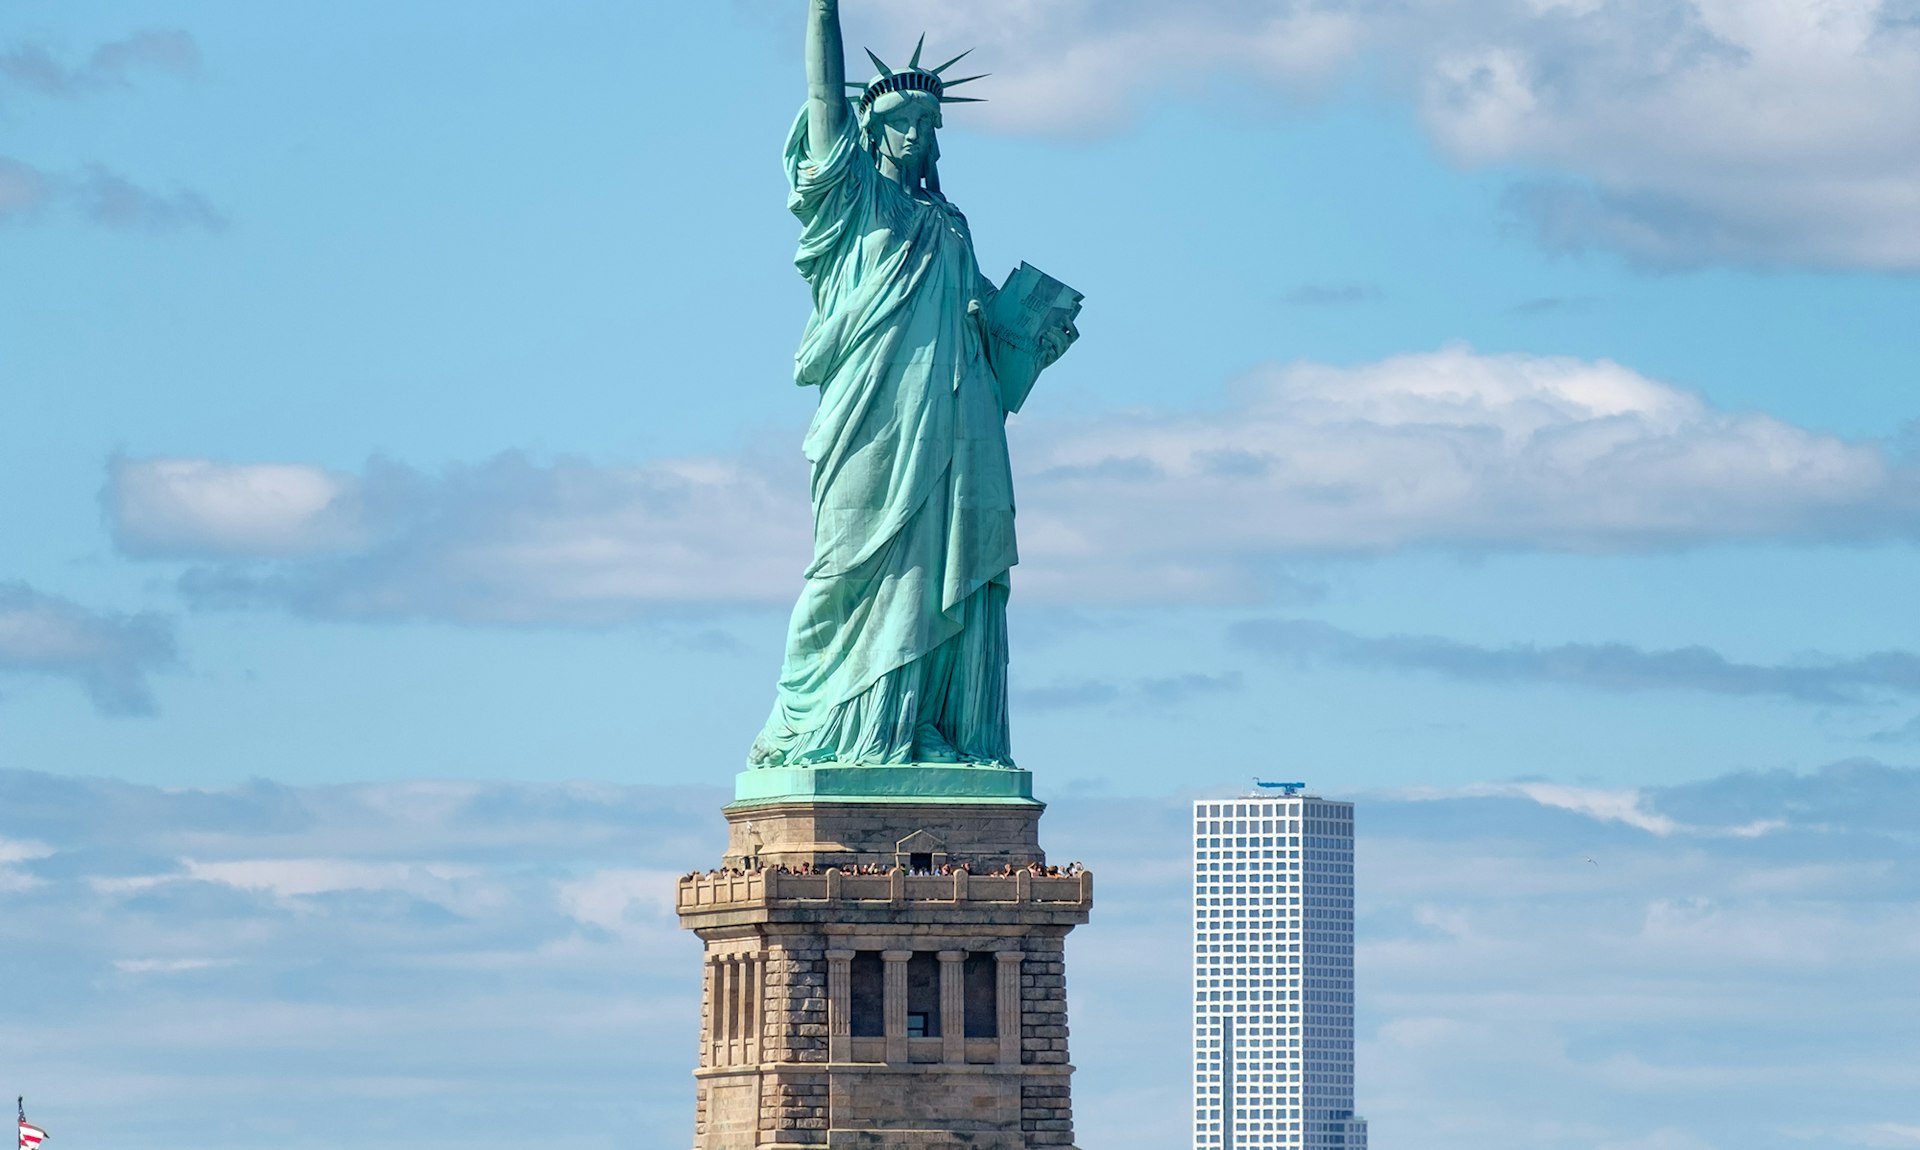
30	1136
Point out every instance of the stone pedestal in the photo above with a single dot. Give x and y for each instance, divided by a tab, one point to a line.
901	1010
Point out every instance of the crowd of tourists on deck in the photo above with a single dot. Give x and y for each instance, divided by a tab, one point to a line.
1005	870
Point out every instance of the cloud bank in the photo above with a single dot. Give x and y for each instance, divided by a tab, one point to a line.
1444	449
440	961
109	655
1448	449
1676	132
1131	695
111	65
1600	666
104	197
95	192
508	541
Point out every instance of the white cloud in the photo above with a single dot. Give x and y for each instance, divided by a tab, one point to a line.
294	878
1677	131
1715	130
13	881
1880	1135
1617	806
169	965
1448	448
22	850
162	506
128	884
295	882
1661	1140
109	654
506	541
1074	65
13	851
1763	932
1625	806
613	899
1443	449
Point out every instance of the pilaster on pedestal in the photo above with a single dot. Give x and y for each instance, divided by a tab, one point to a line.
895	1009
953	1006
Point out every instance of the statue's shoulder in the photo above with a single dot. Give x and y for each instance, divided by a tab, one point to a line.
935	201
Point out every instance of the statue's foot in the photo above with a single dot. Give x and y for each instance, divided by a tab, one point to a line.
765	754
930	746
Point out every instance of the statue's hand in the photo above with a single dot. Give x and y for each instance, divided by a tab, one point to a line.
1054	344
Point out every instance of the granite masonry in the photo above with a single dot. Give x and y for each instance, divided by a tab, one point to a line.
899	1010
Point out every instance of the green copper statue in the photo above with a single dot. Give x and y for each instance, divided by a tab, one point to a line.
898	648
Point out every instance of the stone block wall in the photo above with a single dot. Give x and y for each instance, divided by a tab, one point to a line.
795	1025
794	1109
1046	1114
1043	1002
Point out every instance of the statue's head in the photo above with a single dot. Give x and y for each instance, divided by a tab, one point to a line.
902	127
899	110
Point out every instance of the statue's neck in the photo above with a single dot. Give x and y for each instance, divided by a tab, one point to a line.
912	179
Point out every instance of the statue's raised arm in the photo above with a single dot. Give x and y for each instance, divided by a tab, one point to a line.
826	76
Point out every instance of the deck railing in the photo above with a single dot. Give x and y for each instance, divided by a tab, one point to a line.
766	887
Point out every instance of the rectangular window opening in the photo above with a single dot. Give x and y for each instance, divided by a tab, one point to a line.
978	979
868	985
923	994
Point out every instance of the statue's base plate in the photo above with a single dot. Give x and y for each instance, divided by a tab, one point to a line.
906	783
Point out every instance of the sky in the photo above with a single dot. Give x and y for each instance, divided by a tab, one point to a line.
1497	412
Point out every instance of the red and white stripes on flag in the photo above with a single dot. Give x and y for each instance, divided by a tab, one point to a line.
30	1136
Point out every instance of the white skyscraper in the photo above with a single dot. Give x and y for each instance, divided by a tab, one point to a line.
1273	974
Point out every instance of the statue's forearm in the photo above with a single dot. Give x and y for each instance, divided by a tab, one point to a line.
826	76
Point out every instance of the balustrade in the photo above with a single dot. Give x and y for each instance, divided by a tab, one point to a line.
775	887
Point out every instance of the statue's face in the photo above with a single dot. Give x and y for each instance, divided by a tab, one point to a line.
903	124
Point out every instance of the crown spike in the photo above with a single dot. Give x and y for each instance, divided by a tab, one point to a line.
963	99
964	80
952	62
879	63
917	48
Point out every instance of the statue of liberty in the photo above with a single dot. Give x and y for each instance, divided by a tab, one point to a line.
897	651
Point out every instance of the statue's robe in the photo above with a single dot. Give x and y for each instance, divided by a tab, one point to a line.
897	650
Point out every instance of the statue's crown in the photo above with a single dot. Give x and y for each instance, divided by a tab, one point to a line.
913	78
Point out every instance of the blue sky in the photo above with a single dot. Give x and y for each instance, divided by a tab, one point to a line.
1473	395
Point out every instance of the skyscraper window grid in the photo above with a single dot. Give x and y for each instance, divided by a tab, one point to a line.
1273	975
